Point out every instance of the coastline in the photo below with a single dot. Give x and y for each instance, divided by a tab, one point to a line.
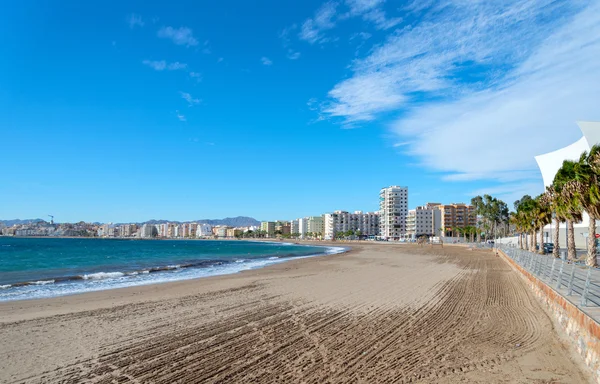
67	285
377	313
10	310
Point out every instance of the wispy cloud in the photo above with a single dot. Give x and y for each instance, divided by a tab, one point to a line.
179	36
135	21
312	28
161	65
331	12
479	84
371	10
266	61
190	100
180	116
196	75
293	55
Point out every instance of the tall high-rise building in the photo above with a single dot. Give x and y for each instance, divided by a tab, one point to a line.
393	209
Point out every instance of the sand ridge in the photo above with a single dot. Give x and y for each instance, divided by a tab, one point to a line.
381	313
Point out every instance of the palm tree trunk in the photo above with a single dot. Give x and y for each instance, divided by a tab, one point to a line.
572	253
556	251
591	253
532	241
541	250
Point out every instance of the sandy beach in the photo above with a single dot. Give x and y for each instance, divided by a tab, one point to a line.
379	313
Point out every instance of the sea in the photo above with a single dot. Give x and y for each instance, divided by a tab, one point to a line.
32	268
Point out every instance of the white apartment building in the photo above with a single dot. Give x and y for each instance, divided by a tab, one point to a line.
342	221
294	228
393	209
147	231
302	226
204	230
424	220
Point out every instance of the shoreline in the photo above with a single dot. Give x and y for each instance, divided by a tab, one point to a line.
377	313
20	310
157	275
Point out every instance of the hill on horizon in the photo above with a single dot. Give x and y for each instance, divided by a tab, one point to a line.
10	223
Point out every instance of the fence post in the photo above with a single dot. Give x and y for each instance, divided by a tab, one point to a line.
571	278
560	272
586	288
552	271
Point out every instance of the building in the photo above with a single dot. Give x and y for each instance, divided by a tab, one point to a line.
393	209
148	231
294	228
222	231
204	230
455	216
315	225
268	227
234	232
282	227
549	163
364	224
423	221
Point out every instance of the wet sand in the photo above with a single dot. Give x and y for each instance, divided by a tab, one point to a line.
380	313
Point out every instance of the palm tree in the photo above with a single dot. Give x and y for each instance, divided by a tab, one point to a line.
542	216
584	190
567	208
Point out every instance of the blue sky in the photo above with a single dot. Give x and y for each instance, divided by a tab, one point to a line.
128	111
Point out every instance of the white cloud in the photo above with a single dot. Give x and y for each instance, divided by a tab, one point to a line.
161	65
266	61
196	75
179	36
176	66
191	100
509	81
220	59
180	116
378	17
135	21
312	29
293	55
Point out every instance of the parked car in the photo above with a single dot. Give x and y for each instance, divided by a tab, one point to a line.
548	247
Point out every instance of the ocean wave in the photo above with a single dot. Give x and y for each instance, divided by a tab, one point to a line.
75	284
102	275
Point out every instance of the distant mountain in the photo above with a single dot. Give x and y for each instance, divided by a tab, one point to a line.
240	221
10	223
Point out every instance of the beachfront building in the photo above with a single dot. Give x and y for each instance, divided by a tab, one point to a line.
423	221
294	228
282	227
315	225
233	232
222	231
148	231
364	224
454	217
268	227
393	209
204	230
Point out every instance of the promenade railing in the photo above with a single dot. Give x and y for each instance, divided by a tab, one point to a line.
579	283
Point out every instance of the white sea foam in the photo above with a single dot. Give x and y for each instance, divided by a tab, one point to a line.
5	286
42	282
102	275
109	280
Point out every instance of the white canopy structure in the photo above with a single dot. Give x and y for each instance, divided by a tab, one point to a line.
551	162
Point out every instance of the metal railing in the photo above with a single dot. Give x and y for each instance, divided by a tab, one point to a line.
578	282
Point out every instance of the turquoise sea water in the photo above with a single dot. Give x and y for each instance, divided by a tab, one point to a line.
46	267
